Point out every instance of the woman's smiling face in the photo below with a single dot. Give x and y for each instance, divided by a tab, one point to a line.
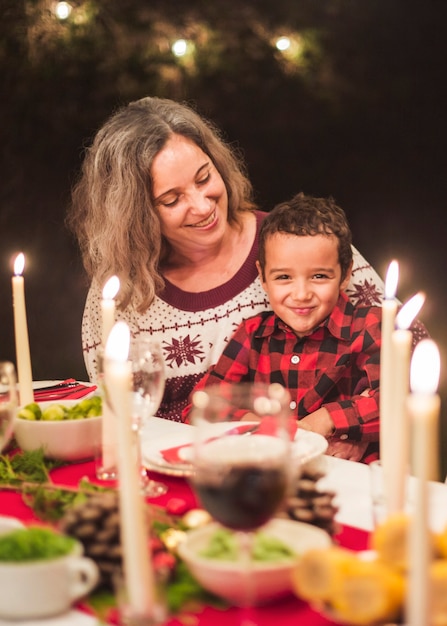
189	194
302	278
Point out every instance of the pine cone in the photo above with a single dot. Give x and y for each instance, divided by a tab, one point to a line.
96	524
310	504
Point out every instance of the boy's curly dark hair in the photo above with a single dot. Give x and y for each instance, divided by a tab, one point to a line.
305	215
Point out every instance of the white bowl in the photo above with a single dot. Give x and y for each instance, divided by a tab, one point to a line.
64	440
46	587
8	523
269	580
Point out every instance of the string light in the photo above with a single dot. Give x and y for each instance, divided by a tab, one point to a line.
283	43
63	10
179	47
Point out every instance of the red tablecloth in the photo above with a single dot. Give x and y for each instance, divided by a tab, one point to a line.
287	612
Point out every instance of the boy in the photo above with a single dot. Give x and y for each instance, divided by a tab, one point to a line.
314	342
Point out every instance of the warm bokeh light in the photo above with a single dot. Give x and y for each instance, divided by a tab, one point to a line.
283	43
179	47
62	10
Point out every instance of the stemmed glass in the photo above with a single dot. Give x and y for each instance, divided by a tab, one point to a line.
241	458
8	402
148	386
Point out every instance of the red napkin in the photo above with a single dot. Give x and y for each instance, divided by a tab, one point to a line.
172	455
66	390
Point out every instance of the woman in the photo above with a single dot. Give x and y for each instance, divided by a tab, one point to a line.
165	204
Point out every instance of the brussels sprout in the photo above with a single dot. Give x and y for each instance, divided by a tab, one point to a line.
31	411
54	412
88	407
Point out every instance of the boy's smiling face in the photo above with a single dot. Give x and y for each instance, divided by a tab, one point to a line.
302	278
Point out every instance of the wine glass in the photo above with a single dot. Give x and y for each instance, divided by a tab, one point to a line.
148	375
241	458
8	402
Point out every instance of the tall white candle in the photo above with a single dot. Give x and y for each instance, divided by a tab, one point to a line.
138	573
109	424
398	430
389	309
424	407
24	373
109	292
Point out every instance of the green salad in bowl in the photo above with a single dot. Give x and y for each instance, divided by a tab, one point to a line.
67	430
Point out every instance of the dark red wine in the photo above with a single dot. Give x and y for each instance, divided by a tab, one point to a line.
244	497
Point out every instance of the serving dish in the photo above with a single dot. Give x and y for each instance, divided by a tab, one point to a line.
65	440
270	580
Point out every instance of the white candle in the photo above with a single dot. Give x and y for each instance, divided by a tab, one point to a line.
109	292
398	430
109	424
138	573
24	373
424	407
389	309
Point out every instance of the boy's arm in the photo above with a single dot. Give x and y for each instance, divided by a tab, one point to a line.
354	415
320	421
355	421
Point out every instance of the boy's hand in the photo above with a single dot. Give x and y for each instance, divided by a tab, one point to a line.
350	450
319	422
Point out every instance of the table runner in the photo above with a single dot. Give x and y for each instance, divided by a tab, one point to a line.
286	612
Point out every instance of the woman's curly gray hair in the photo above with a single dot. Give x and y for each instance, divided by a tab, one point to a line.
112	213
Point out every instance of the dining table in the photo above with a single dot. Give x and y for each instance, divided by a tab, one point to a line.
350	482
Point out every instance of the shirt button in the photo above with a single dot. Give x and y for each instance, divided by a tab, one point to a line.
295	359
293	405
343	437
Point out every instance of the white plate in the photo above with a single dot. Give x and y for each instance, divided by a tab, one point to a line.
306	447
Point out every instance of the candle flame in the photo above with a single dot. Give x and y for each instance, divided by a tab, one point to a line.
118	342
409	311
392	276
19	264
425	367
111	288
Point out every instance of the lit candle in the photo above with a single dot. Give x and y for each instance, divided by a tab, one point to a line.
24	373
424	407
109	292
398	429
389	309
138	575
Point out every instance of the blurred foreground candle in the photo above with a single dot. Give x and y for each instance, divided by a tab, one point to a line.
424	407
138	575
389	309
106	467
24	373
399	429
109	292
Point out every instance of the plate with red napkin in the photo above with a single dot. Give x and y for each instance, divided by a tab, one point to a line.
172	454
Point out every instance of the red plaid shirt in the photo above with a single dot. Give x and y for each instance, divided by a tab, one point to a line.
330	368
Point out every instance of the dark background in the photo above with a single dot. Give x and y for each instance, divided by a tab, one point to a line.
358	112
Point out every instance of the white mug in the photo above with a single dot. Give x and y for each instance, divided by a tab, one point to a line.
37	589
